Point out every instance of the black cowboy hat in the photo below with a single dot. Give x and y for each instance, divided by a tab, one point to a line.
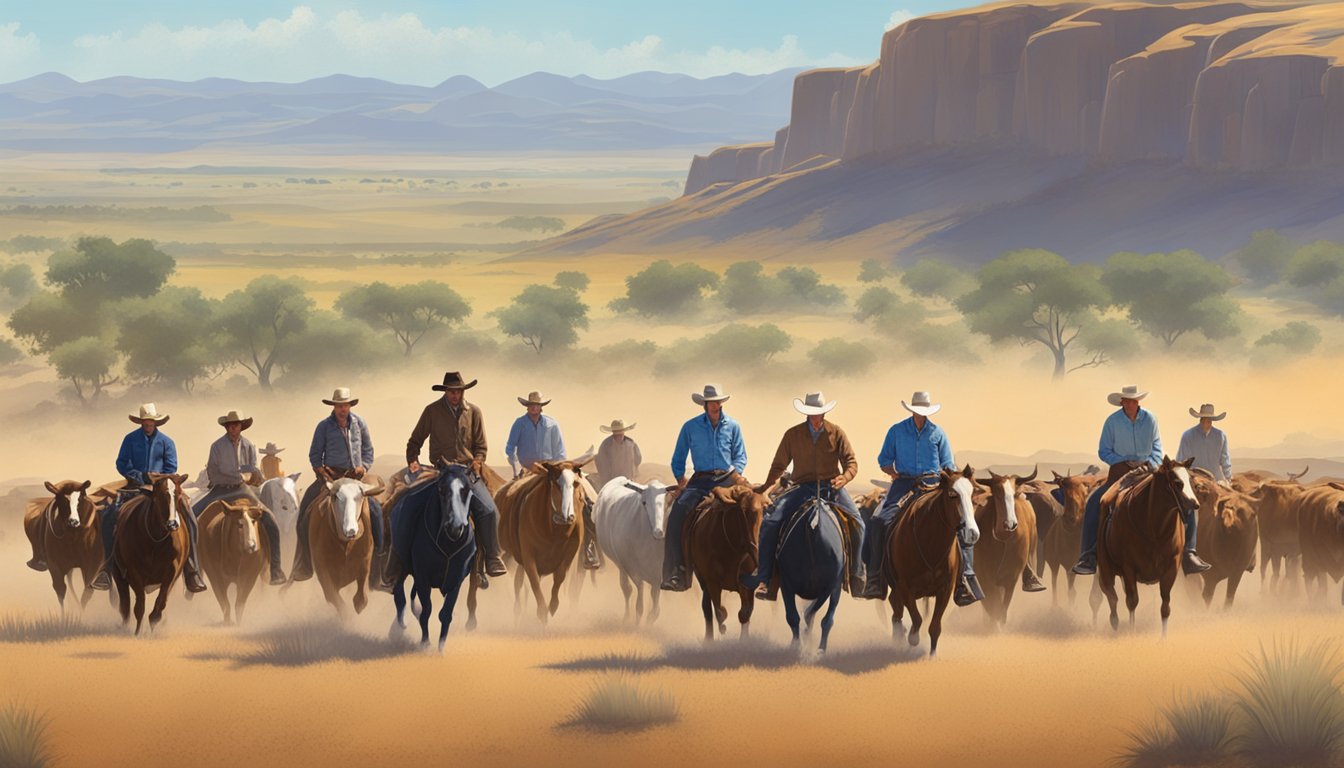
453	380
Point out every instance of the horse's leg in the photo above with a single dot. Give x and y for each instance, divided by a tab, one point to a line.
626	589
897	614
1210	584
639	601
57	583
748	598
425	594
1164	586
916	619
655	597
1054	585
399	605
534	579
156	615
707	607
471	597
139	607
1105	582
936	623
86	580
123	593
450	600
828	620
1131	583
361	597
1233	581
518	576
557	579
1008	593
1073	594
244	590
790	612
220	590
1095	595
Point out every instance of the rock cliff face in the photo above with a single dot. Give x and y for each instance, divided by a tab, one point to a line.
1222	85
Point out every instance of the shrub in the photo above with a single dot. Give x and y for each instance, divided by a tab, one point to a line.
842	358
1196	731
621	704
931	277
1291	707
664	290
24	741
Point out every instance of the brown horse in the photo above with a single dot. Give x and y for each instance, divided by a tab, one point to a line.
1321	526
232	551
64	533
1141	535
720	547
151	546
540	526
342	544
1002	556
923	559
1064	540
1228	529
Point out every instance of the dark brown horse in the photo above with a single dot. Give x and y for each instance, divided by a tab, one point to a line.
1064	540
1141	535
64	533
720	546
923	559
541	527
1002	555
342	544
233	551
151	546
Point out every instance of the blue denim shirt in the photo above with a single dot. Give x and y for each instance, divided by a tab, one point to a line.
916	452
141	454
1125	440
331	449
712	449
534	442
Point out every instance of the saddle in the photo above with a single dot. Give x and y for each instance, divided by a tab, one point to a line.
1129	482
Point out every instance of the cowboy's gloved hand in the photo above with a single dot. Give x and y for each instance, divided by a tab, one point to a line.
476	466
135	476
359	473
838	482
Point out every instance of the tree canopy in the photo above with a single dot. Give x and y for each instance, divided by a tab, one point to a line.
262	322
408	311
100	270
1171	294
662	289
544	316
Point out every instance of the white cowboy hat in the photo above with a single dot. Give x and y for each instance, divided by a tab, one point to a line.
712	394
270	450
233	416
920	405
813	404
1206	411
149	412
617	425
1129	392
534	398
342	396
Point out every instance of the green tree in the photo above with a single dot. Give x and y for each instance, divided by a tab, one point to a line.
544	316
100	270
409	311
1266	256
889	314
804	284
1171	294
842	358
331	344
1316	265
1296	337
746	290
1036	297
88	363
741	345
48	320
873	271
17	283
664	290
931	277
575	281
262	322
171	338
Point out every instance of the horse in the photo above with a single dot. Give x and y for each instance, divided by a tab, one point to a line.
631	521
720	547
65	528
233	551
1141	535
281	496
443	549
1064	540
1003	555
539	526
341	542
1228	529
151	546
1321	526
811	565
923	559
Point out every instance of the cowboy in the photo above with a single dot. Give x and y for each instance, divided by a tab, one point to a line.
618	455
456	433
270	462
534	437
145	451
714	441
341	447
913	449
1129	440
231	457
823	463
1207	445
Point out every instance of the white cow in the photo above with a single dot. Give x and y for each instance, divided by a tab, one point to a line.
631	521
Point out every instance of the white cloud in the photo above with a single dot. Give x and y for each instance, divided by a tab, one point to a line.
18	53
898	18
400	48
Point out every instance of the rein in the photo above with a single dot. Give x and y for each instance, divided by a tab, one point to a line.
914	523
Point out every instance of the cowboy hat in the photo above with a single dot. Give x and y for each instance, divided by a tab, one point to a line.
149	412
342	396
270	450
617	425
1206	411
453	380
920	405
712	394
233	416
534	398
813	404
1129	392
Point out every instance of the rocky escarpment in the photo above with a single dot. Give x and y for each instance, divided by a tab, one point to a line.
1221	85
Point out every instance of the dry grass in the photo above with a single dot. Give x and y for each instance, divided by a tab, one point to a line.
620	704
1292	710
24	742
21	628
318	643
1195	731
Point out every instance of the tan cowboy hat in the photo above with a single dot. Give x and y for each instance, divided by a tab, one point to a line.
270	450
617	425
712	394
342	396
920	406
233	416
1129	392
453	380
534	398
149	412
813	404
1206	411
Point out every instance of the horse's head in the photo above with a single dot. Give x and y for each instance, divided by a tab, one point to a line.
958	489
1003	491
241	519
562	480
1178	479
653	501
347	504
164	490
1075	490
454	488
71	503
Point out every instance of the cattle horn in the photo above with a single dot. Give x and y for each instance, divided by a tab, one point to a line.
1337	486
1299	475
1035	471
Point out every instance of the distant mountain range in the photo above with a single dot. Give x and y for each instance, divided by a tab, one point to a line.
540	111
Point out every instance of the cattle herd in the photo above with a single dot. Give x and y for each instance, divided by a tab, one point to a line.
1023	521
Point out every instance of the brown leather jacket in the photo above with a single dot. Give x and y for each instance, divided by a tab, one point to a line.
831	455
452	437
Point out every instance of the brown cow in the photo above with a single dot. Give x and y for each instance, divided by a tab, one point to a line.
1007	523
1321	526
232	552
1276	503
342	544
1229	527
151	546
64	533
1064	540
541	528
721	539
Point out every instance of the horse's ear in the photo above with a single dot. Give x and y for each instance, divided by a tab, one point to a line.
968	473
178	480
1188	462
51	487
581	461
295	476
86	485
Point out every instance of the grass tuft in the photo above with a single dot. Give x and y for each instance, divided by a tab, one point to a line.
24	741
1292	711
20	628
1190	732
317	643
618	704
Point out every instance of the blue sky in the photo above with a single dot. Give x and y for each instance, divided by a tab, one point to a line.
424	42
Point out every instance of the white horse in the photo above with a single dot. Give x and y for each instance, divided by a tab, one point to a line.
281	496
631	521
